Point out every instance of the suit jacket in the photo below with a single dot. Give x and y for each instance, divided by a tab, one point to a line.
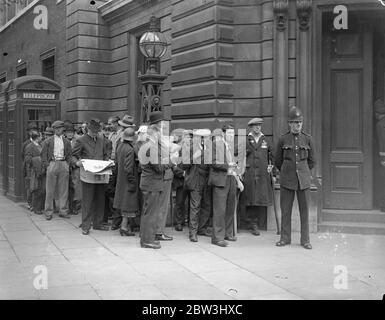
196	174
47	151
295	158
152	178
220	164
86	148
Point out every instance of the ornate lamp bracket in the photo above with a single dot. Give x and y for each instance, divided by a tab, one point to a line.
281	8
304	8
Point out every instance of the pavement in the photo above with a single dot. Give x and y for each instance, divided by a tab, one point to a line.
42	259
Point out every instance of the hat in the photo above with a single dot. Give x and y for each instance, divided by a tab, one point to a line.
178	132
379	106
68	126
255	121
49	131
128	134
295	114
58	124
94	125
31	126
114	118
142	129
202	132
126	122
217	133
156	117
187	131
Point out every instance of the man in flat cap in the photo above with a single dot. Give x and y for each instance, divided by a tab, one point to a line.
295	158
56	158
258	191
92	146
379	109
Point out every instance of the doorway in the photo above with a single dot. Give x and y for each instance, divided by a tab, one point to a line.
353	78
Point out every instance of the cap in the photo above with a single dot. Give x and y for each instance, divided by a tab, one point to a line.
142	129
156	117
58	124
255	121
202	132
94	125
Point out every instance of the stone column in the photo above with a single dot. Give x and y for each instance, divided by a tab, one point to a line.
304	61
281	67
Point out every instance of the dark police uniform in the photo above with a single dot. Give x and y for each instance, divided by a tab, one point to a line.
295	158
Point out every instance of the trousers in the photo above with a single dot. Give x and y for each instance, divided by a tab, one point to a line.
57	179
92	205
286	201
149	216
164	201
181	195
224	202
200	209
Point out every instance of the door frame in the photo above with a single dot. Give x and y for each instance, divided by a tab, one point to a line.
319	8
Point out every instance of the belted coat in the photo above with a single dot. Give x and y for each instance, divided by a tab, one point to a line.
257	182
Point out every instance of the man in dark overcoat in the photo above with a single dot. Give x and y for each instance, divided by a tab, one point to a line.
126	192
92	146
379	109
258	190
295	158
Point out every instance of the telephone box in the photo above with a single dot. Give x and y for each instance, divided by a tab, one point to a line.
24	100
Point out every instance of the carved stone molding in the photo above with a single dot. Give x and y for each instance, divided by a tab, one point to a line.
281	8
304	8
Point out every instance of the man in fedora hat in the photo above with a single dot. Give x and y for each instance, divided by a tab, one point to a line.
295	158
126	194
56	158
92	146
157	119
379	109
49	132
258	192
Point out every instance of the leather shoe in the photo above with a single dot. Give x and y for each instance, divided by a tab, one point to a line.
221	243
115	227
193	238
126	233
307	246
102	228
255	232
65	216
85	232
150	245
48	217
163	237
281	243
178	227
205	233
231	238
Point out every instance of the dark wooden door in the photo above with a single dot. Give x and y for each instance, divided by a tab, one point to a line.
347	121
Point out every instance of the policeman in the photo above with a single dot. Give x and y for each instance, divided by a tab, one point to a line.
295	158
379	108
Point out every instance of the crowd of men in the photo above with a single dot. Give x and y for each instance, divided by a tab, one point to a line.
205	168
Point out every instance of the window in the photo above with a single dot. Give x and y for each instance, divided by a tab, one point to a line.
3	77
21	72
48	67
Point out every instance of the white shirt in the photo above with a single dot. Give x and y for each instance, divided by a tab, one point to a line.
256	138
58	149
